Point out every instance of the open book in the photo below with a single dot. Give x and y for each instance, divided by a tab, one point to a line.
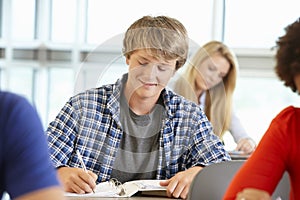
114	188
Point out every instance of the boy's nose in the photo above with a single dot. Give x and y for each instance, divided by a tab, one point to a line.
151	69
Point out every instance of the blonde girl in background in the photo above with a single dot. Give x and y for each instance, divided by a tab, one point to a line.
209	80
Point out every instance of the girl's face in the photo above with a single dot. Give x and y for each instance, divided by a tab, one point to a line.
212	71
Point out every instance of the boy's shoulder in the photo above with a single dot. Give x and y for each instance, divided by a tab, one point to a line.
177	98
177	102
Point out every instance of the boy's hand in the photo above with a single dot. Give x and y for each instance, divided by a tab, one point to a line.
77	180
179	185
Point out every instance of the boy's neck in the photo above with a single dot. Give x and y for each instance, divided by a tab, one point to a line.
141	106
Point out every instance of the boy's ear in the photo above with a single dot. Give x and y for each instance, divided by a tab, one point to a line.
127	61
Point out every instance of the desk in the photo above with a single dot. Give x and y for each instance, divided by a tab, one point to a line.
116	198
238	155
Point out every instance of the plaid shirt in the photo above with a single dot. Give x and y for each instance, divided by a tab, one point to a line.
90	122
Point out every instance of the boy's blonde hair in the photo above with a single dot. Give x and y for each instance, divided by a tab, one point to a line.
165	38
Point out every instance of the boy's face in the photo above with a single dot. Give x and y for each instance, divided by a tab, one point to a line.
147	75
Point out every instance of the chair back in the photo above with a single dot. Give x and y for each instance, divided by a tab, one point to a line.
212	181
283	188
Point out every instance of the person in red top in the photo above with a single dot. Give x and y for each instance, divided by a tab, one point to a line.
279	149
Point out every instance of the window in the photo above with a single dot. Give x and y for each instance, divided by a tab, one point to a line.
1	19
20	80
60	89
257	101
23	20
113	18
63	18
258	24
53	49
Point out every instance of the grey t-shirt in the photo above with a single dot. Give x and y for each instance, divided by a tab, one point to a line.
137	156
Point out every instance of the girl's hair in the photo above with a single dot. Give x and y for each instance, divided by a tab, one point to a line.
288	55
163	36
218	103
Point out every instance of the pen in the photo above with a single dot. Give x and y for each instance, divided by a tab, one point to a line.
82	164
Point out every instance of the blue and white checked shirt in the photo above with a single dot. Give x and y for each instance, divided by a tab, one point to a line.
90	122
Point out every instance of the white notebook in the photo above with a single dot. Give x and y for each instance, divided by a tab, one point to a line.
114	188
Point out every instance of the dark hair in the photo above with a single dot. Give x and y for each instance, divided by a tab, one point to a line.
288	55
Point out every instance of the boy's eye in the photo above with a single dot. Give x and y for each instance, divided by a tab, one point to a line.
161	68
211	68
143	63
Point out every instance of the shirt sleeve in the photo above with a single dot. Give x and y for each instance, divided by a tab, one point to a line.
62	134
27	166
208	150
236	128
267	163
207	147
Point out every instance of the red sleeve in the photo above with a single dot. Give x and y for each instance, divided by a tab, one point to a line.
264	169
